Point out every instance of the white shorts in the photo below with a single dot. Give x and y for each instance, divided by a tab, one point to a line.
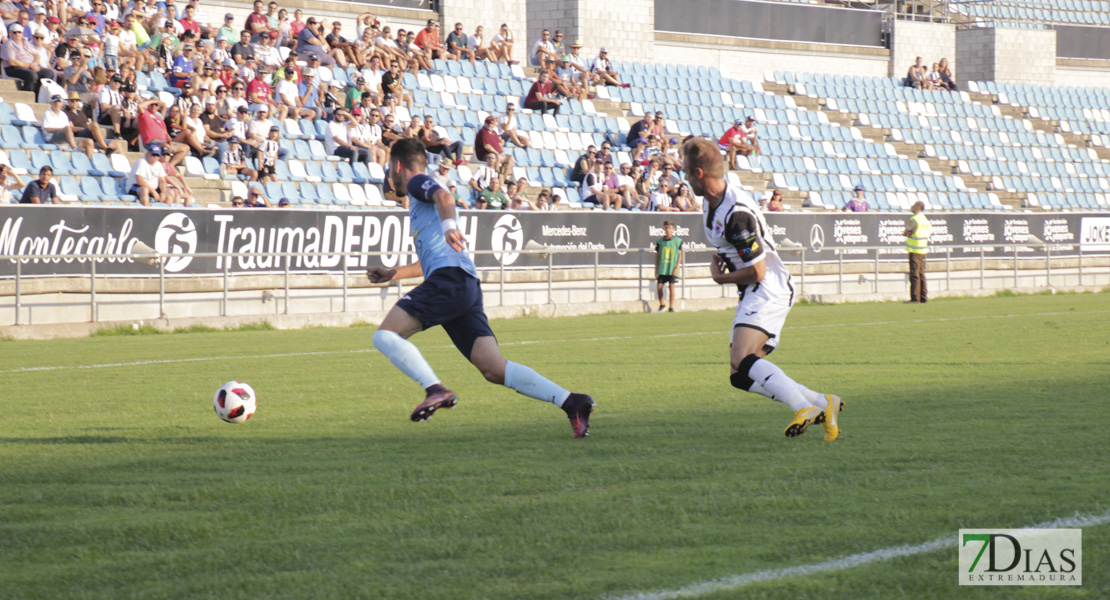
763	313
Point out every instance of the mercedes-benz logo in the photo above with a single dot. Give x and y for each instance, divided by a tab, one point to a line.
620	239
816	238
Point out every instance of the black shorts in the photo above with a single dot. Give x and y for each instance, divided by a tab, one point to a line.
666	279
450	297
266	171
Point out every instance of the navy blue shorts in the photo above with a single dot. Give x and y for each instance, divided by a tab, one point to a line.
450	297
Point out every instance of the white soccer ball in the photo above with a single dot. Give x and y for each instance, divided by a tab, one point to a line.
235	402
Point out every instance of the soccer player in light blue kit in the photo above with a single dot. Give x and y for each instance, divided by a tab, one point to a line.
451	296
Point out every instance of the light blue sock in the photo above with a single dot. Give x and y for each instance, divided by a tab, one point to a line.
405	357
530	383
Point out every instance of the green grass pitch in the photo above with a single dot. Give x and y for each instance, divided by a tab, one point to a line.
117	480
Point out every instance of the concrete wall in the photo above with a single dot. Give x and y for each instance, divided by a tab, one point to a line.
750	63
490	14
554	15
1083	76
930	41
1017	55
625	28
1025	55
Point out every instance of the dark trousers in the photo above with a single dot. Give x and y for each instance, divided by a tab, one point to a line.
353	154
542	106
918	290
448	150
29	78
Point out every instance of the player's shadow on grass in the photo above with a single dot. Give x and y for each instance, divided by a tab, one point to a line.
102	439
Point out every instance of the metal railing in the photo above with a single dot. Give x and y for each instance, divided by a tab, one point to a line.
830	272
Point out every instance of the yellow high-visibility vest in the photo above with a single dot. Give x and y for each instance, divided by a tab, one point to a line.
918	241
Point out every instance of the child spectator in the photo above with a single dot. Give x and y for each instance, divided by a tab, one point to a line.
668	258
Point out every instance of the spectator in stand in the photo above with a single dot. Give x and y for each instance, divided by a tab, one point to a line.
238	202
392	86
259	93
215	131
751	136
932	78
489	148
947	77
560	46
183	66
9	184
501	46
256	199
733	143
257	22
584	165
605	155
603	69
683	200
87	132
442	176
775	203
227	30
623	187
258	130
658	125
565	79
391	131
639	130
858	203
438	143
507	125
459	45
310	42
41	190
147	178
540	96
177	189
638	147
287	96
342	48
268	153
266	52
578	63
235	161
308	92
56	127
243	49
337	140
597	191
543	50
152	130
476	45
428	40
483	176
915	77
20	61
494	198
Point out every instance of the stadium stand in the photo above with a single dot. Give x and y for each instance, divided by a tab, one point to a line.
994	147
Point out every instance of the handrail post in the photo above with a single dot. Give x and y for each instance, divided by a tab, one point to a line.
161	288
285	299
501	283
948	269
345	283
92	292
982	268
597	263
19	274
550	265
223	305
640	274
1048	265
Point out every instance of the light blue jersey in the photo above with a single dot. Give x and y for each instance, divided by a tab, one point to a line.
427	233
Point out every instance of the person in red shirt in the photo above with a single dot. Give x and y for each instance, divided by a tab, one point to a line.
258	91
188	23
540	96
487	142
428	41
257	23
152	130
734	141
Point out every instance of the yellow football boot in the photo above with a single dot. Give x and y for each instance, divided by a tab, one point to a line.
803	417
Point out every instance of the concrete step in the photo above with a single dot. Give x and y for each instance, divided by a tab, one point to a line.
808	102
780	89
942	165
877	134
842	118
908	149
1103	153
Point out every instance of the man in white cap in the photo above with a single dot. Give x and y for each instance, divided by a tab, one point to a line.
20	60
603	69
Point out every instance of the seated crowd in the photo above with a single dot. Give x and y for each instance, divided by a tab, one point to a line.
921	77
233	83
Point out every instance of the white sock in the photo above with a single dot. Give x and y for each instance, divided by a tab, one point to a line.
530	383
405	357
770	381
816	398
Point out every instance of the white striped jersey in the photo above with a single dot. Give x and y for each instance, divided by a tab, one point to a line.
740	233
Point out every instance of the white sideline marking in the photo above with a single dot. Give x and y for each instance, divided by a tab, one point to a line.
734	582
140	363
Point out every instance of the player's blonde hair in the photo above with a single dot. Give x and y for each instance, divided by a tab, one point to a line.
702	153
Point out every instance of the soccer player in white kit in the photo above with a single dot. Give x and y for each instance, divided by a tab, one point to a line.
746	257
